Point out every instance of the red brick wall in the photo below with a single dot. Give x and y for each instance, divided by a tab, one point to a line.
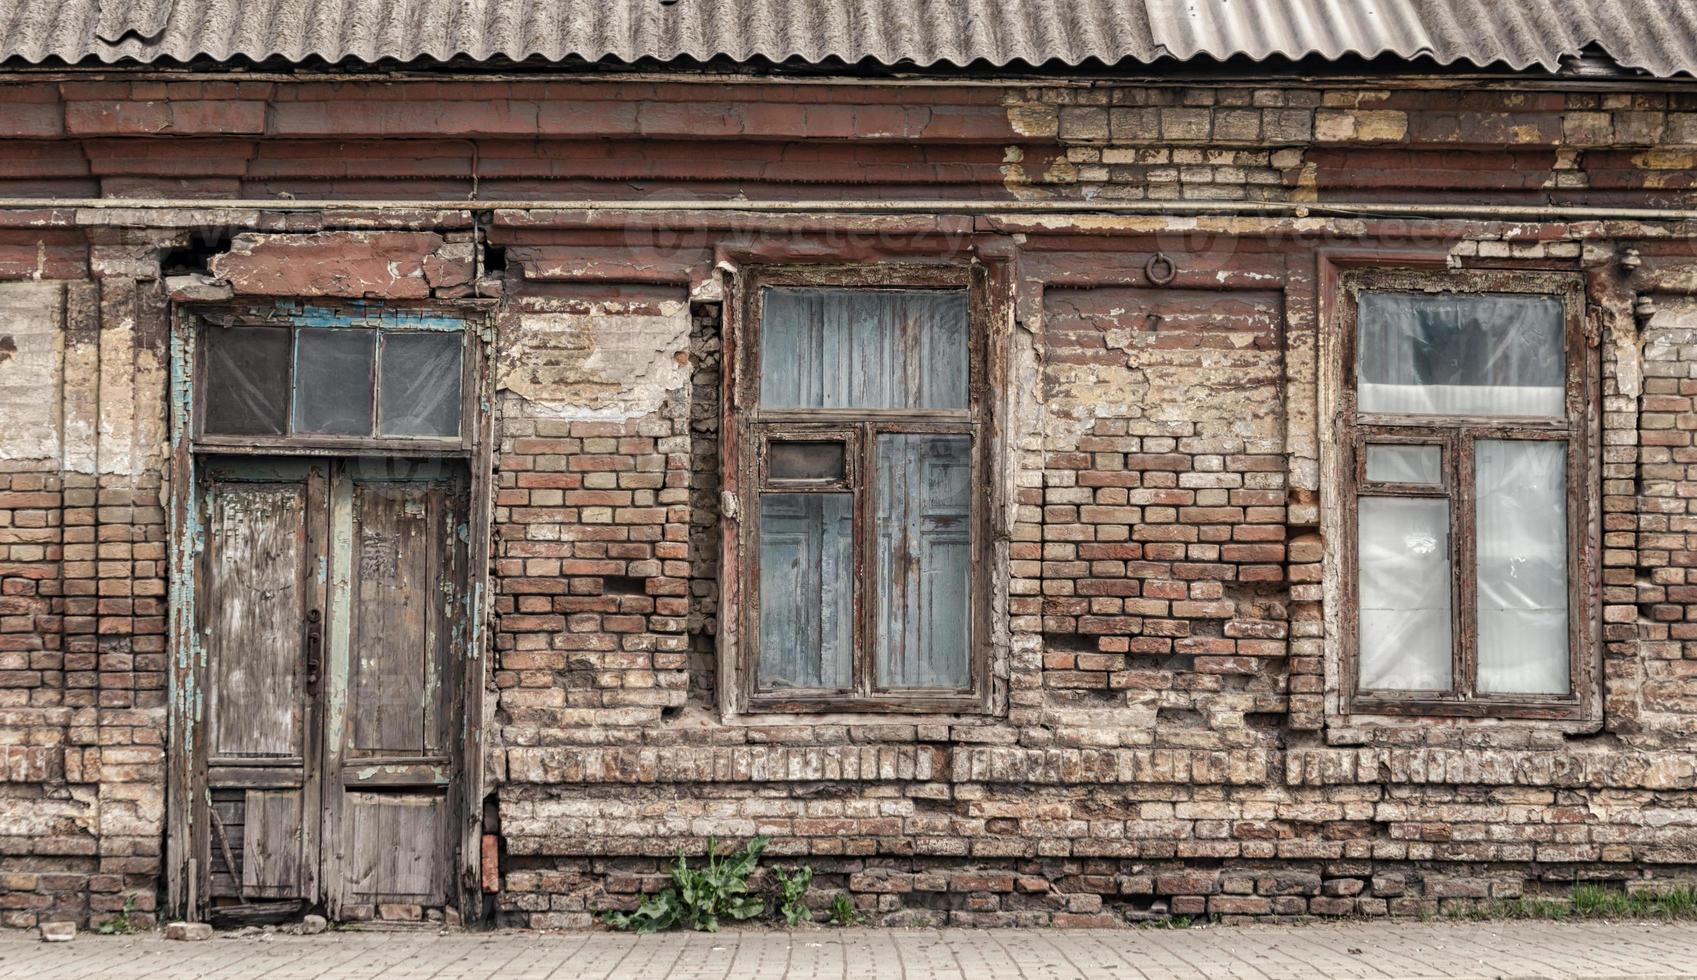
1160	742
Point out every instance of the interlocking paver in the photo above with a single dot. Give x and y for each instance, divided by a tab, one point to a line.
1369	951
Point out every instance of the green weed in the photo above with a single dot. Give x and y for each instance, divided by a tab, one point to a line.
121	924
843	912
792	890
699	899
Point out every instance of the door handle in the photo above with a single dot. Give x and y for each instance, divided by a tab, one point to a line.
314	648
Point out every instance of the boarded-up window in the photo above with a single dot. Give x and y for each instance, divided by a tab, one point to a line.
1467	428
842	348
864	434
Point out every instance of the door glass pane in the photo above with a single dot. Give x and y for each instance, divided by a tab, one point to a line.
805	461
1462	354
845	348
1422	465
333	381
1522	529
924	561
1405	594
419	393
806	591
247	381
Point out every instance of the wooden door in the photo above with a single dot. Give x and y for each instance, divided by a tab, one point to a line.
261	621
398	633
334	620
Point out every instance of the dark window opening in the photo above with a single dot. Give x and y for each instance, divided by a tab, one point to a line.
196	256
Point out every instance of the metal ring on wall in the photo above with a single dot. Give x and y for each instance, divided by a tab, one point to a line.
1160	269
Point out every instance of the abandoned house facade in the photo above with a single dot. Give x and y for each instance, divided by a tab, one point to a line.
1037	463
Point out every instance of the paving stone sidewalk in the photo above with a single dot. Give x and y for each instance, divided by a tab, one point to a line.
1593	951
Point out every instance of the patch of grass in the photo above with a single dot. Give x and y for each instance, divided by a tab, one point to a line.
1597	902
1588	902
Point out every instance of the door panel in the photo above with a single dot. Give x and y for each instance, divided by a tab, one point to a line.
399	556
393	613
333	617
404	854
257	605
228	849
265	533
274	833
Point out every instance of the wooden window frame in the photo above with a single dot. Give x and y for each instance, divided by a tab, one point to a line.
750	427
208	318
1457	436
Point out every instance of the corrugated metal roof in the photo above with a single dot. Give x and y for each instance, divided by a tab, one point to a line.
887	31
1658	36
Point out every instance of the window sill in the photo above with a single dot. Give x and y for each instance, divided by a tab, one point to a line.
852	719
1530	709
808	711
328	446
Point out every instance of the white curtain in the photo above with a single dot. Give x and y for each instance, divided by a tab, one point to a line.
1422	399
1394	463
847	348
1462	354
1405	594
1521	511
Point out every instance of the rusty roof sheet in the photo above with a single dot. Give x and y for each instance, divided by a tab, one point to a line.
1656	36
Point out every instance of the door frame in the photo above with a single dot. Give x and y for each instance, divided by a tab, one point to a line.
186	541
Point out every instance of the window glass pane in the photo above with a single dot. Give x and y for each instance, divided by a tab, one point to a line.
419	393
806	591
803	461
1462	354
1405	464
247	381
843	348
1405	594
333	381
924	561
1522	529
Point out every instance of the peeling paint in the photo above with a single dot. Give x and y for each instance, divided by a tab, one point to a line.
389	264
1180	356
607	363
369	314
31	363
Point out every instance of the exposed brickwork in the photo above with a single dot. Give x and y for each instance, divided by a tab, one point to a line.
1663	674
82	640
1155	544
706	363
593	563
1247	144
